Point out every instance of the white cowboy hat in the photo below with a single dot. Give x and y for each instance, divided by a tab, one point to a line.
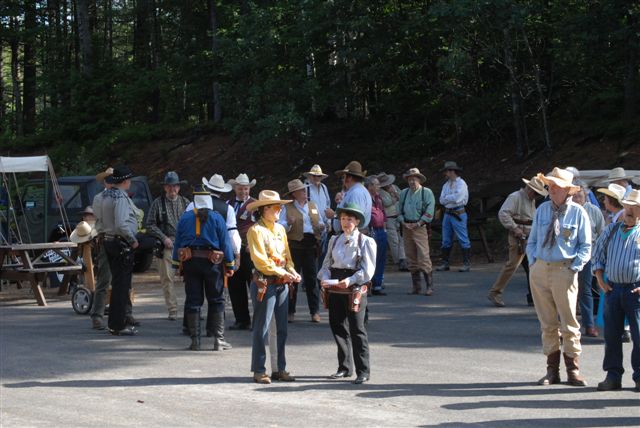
613	190
267	197
536	185
83	233
561	178
617	174
414	172
217	184
315	171
633	198
243	180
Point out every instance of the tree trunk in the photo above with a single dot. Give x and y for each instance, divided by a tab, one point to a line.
515	95
29	68
2	110
542	104
15	77
213	21
631	75
84	33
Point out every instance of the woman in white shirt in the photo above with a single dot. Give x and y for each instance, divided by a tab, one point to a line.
346	274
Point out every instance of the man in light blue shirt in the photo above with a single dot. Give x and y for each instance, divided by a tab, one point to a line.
352	177
558	248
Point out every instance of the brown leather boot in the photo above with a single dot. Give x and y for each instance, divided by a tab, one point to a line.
573	371
553	370
428	278
416	281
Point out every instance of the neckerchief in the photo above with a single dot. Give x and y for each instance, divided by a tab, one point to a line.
554	227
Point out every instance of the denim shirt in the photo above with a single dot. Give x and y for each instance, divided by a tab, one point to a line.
573	243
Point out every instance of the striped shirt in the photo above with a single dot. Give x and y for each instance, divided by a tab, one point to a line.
621	259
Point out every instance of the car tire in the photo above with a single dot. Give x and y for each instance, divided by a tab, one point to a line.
81	300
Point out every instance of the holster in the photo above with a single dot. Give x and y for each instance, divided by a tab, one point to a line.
354	292
184	254
216	257
261	284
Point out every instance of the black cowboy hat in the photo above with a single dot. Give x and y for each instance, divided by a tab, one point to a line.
120	174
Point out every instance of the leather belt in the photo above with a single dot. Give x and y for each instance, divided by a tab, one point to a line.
523	222
201	254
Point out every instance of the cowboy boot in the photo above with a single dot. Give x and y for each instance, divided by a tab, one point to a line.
466	259
553	370
218	332
428	278
573	371
446	252
416	281
193	323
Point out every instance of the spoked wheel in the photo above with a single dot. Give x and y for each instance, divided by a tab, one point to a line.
81	300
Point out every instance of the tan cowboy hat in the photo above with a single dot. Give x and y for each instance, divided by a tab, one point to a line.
294	185
242	180
386	179
536	185
617	174
217	184
414	172
450	165
83	233
104	174
613	190
267	197
352	168
316	171
633	198
561	178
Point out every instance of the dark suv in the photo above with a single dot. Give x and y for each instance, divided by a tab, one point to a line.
77	193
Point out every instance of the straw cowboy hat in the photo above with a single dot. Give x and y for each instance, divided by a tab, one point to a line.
450	165
83	233
536	185
561	178
104	174
267	197
120	174
294	185
386	179
352	209
217	184
614	191
171	178
414	172
617	174
242	180
633	198
315	171
352	168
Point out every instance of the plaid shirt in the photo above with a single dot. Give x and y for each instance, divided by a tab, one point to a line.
155	220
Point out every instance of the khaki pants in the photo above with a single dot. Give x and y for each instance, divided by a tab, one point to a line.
167	279
515	258
416	247
554	288
396	244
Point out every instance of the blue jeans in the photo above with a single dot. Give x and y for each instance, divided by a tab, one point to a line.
451	225
620	302
585	296
275	303
380	236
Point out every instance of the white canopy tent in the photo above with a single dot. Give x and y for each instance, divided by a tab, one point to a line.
24	164
598	177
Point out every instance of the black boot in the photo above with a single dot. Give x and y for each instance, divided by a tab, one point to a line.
446	252
466	258
428	278
210	326
218	331
415	283
193	322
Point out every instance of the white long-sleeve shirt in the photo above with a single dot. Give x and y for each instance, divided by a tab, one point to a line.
454	193
344	255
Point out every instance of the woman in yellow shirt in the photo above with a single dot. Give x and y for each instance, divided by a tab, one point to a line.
274	271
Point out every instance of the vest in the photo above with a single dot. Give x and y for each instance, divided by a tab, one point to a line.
220	207
244	220
296	232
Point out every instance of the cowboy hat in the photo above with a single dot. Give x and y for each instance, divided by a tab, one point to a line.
633	198
450	165
294	185
242	180
267	197
217	184
316	171
386	179
83	233
171	178
352	168
88	211
614	191
104	174
536	185
414	172
120	174
352	209
617	174
561	178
